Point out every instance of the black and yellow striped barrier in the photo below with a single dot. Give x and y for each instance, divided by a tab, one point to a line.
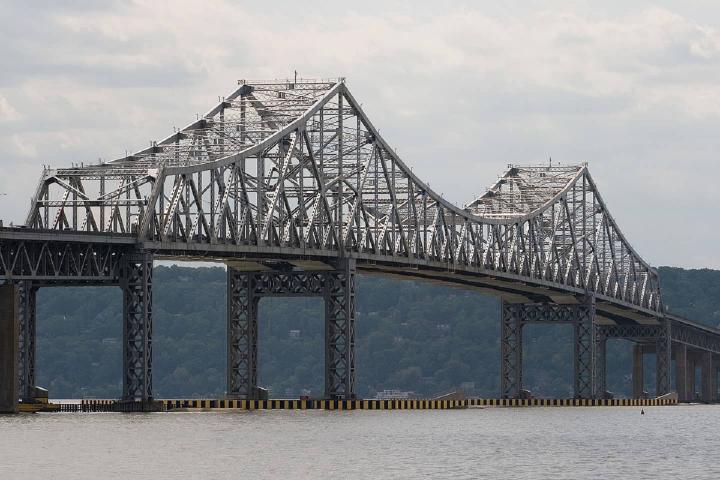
315	404
105	405
407	404
570	402
95	402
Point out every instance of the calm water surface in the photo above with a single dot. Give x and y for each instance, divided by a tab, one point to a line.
559	443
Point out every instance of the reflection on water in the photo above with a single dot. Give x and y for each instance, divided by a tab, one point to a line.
529	443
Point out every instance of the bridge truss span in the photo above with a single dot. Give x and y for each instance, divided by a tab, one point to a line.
298	169
291	185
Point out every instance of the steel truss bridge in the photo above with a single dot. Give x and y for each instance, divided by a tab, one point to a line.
291	185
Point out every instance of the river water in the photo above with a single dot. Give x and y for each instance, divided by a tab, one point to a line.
504	443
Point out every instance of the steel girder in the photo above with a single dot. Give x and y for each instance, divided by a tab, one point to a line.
27	339
297	166
337	287
701	338
634	332
60	261
588	377
136	283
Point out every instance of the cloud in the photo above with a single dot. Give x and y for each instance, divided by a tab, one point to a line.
7	111
23	148
460	91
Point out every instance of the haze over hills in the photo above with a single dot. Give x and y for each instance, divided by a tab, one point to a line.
410	336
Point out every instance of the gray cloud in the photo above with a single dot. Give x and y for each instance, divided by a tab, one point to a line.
460	91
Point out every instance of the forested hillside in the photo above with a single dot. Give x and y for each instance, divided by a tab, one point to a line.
410	335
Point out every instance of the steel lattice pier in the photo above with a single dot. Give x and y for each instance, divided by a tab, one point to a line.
516	315
336	287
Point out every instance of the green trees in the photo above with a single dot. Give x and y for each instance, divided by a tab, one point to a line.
410	336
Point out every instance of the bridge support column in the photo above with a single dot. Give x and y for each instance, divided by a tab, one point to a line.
26	345
242	334
585	349
638	372
706	373
136	283
681	372
691	375
9	333
663	356
714	370
511	350
340	331
600	381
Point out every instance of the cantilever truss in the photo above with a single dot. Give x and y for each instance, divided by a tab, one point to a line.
297	169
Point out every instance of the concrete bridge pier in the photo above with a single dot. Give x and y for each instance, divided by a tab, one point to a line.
691	375
245	290
136	284
9	328
687	362
681	372
638	372
706	373
713	381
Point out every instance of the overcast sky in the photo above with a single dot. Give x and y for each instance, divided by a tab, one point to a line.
460	89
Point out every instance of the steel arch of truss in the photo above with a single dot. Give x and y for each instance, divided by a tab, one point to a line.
297	168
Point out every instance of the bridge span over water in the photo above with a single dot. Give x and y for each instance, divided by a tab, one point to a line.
291	185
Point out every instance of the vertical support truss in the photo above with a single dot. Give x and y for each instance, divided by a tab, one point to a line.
26	343
663	353
340	332
584	362
600	375
136	283
511	350
242	334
